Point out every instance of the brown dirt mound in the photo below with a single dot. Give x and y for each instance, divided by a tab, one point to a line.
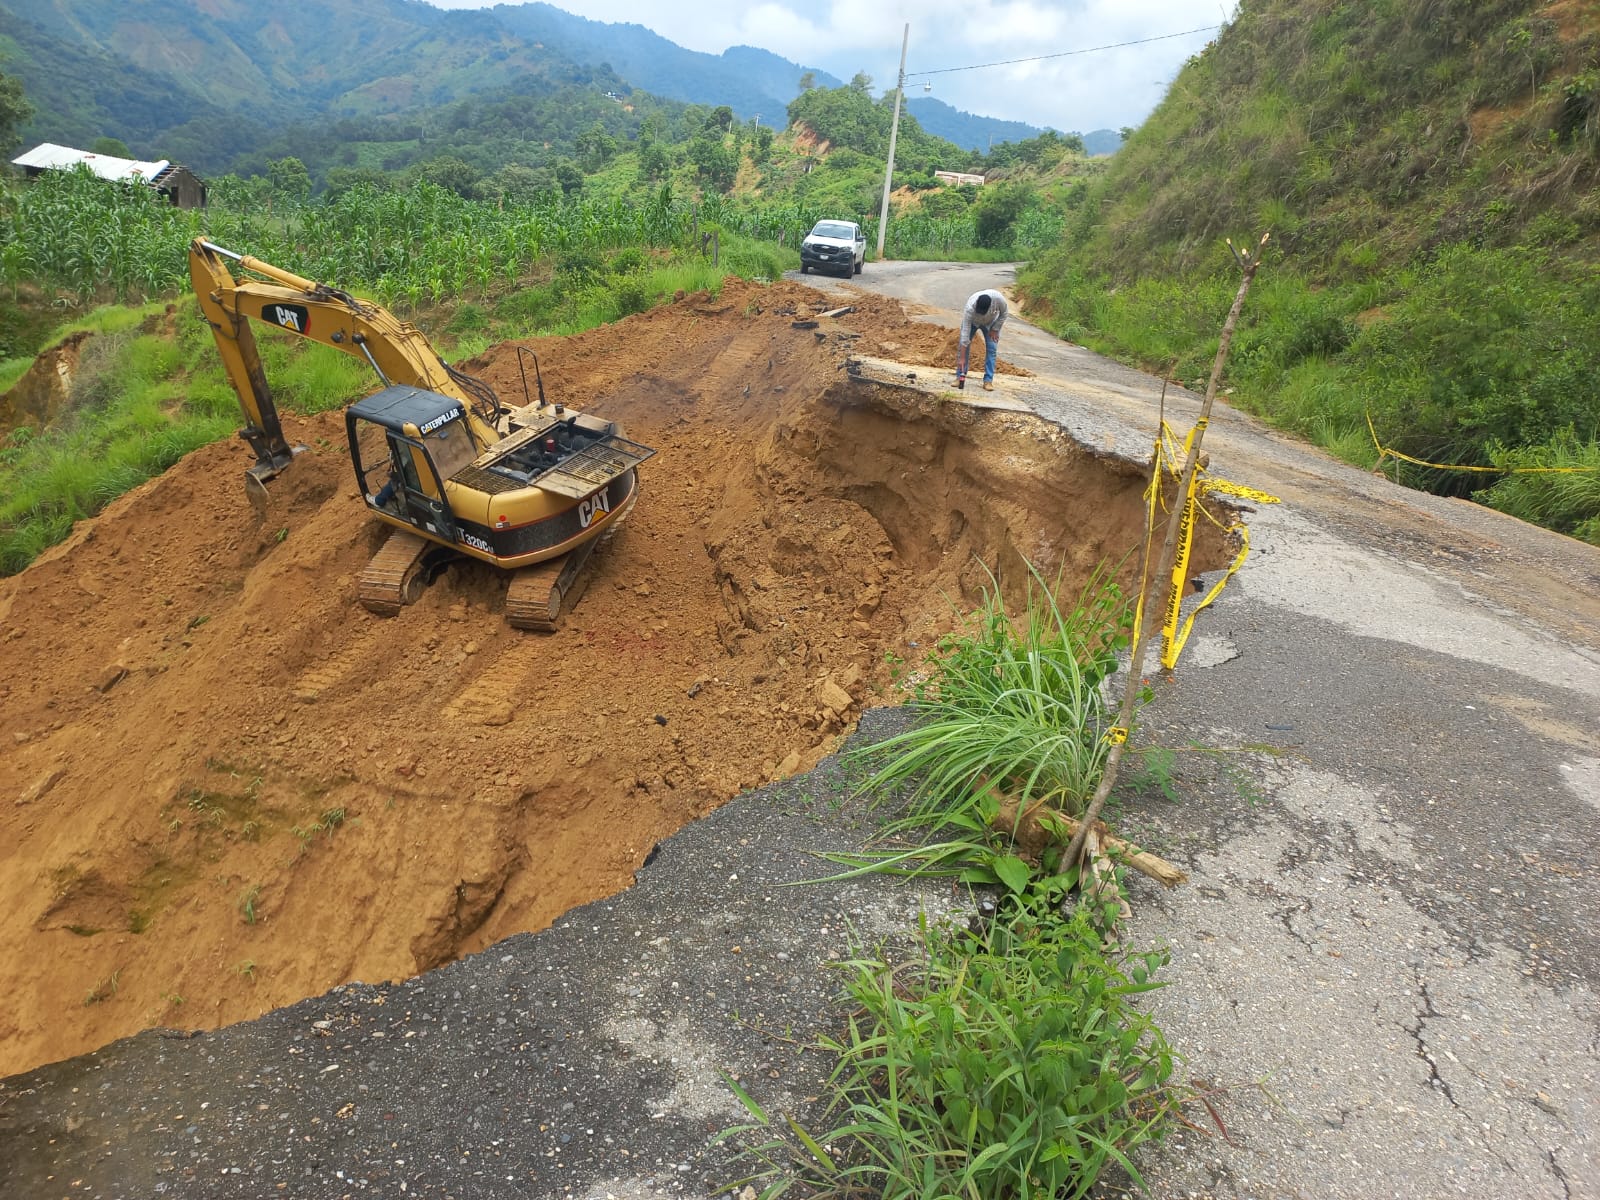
227	786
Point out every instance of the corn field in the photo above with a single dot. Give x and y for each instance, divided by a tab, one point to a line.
79	237
74	235
909	236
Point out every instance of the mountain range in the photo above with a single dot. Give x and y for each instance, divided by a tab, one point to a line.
208	82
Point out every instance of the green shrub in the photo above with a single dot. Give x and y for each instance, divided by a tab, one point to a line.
1009	1063
1566	499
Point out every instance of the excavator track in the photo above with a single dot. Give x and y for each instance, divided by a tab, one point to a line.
537	593
395	577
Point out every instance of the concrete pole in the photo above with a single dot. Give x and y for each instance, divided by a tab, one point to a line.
894	132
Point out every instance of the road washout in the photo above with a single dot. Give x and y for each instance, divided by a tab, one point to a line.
228	787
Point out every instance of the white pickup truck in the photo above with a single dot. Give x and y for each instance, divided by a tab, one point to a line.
834	246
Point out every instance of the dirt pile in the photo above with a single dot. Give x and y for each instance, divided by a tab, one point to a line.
227	786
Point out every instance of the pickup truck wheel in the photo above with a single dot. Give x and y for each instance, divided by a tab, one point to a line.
859	265
805	268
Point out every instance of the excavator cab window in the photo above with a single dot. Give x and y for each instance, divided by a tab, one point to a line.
378	465
451	447
405	442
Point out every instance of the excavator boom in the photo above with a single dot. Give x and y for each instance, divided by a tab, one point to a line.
395	349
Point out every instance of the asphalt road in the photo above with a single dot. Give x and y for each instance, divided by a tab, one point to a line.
1386	749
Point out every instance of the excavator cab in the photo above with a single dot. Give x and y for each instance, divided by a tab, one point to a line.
405	442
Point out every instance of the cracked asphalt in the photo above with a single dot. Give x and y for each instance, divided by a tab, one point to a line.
1379	760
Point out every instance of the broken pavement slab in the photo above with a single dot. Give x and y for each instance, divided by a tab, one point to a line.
933	381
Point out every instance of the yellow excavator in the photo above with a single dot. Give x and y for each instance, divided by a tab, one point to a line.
532	490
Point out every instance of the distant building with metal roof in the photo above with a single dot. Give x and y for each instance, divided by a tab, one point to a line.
179	184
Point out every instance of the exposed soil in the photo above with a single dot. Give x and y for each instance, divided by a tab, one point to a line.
227	786
41	394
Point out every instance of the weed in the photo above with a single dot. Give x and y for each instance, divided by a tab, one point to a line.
247	969
331	819
1011	699
1010	1062
1154	768
247	903
210	814
103	990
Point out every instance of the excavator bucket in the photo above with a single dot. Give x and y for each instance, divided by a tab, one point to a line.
263	471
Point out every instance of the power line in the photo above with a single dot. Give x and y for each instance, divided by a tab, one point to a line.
1063	54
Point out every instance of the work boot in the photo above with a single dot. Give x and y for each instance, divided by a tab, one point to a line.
988	385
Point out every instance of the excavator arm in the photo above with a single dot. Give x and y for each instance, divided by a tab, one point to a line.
395	349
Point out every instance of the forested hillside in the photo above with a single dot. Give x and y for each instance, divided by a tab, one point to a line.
362	85
748	80
211	84
1426	170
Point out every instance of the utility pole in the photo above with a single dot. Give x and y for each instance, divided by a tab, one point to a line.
894	132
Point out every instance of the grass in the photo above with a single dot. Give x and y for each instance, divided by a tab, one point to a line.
1010	1062
1010	1059
1013	698
104	990
11	370
1566	499
249	900
127	422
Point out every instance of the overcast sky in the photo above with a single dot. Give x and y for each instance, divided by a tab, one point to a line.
1084	89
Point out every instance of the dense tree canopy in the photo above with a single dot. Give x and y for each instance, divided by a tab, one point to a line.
14	112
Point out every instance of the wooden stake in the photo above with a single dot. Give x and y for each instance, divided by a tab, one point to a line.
1032	829
1155	602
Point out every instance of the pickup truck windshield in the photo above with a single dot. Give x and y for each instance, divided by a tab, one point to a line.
834	229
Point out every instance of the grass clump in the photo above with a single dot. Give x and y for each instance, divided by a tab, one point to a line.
1014	698
1561	491
1005	1063
250	904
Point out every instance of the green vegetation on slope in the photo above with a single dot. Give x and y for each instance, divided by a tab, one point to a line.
1427	170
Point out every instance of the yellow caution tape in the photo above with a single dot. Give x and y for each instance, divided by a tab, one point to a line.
1180	570
1385	452
1228	488
1168	453
1173	635
1170	650
1159	455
